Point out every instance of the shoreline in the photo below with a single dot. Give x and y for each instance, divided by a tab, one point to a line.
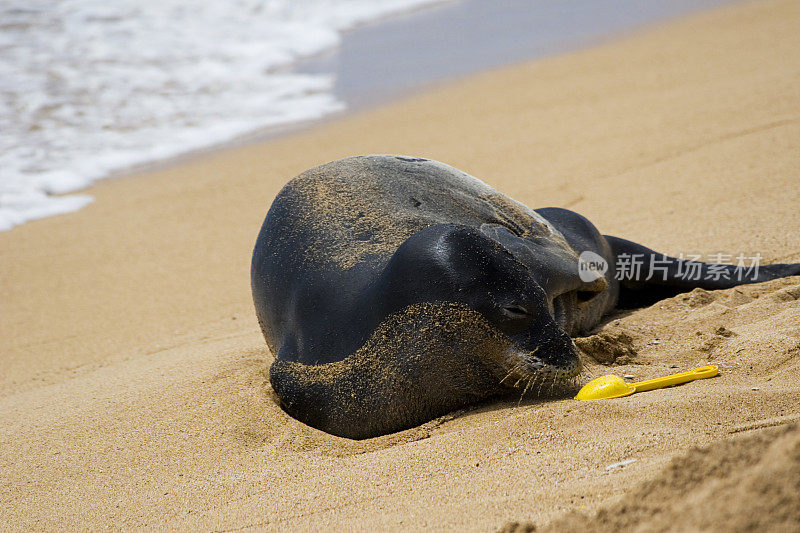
380	63
134	392
353	60
395	56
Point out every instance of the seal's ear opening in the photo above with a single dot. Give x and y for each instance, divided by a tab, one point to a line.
555	267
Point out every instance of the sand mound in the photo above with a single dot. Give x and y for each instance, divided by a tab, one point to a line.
747	483
750	328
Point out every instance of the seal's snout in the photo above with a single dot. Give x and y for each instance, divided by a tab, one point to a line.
554	361
561	357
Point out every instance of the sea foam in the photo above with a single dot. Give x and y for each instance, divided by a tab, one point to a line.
90	87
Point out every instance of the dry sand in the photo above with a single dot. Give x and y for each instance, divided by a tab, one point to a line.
133	393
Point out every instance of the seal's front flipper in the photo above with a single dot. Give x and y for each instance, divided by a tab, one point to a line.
555	268
646	276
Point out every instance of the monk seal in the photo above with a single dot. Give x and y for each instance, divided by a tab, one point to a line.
396	289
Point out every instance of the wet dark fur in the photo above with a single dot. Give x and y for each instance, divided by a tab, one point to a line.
393	290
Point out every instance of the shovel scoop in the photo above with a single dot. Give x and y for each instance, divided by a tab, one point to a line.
606	387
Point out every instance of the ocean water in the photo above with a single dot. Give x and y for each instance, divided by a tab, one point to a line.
90	87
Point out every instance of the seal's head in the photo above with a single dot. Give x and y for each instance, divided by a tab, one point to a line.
460	264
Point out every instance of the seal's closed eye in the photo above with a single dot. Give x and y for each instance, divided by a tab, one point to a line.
515	311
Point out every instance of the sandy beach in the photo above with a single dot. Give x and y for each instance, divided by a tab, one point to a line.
133	392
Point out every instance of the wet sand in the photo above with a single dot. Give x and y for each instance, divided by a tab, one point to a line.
395	57
133	392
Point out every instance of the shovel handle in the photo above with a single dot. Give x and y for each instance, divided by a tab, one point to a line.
676	379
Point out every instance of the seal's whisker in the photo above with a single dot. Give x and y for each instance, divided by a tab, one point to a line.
588	372
527	386
513	369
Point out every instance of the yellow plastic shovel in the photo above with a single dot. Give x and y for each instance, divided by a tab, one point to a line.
606	387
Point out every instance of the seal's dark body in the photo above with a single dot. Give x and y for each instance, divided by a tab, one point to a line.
351	244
